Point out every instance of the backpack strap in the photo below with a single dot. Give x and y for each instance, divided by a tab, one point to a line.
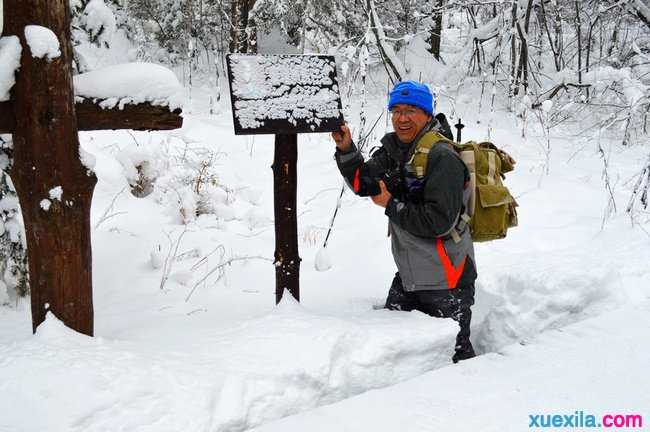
420	157
418	165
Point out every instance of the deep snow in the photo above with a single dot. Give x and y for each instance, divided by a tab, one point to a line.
586	368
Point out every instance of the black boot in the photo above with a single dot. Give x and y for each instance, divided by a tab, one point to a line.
455	304
463	355
463	315
463	352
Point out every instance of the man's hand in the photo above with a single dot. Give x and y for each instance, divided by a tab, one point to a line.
384	196
343	139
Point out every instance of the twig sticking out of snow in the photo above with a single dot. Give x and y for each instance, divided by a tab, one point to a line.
220	267
642	186
108	213
174	245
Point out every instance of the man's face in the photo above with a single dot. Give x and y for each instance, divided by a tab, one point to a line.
408	121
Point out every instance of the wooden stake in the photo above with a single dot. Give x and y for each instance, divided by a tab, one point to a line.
285	181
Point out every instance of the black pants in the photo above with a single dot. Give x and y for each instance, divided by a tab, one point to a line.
455	304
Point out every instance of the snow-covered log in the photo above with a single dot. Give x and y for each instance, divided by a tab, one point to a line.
90	116
139	96
143	116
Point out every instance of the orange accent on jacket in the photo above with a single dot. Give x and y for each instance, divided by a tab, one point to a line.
355	183
452	274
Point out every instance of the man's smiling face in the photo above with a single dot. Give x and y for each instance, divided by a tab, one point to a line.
408	121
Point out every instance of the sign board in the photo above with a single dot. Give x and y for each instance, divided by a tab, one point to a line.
284	94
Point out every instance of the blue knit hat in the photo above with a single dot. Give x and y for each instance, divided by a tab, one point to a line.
411	93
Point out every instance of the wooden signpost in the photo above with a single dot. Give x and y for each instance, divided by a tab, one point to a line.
284	95
44	120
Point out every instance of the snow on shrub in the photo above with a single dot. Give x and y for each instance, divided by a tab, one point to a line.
99	21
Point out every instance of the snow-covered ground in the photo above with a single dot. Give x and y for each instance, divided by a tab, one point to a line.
592	368
561	315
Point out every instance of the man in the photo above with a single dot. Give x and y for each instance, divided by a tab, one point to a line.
430	241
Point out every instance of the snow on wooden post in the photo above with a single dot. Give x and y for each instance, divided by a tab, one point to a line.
54	187
284	95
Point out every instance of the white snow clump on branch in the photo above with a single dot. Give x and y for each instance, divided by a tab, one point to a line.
130	84
632	89
99	20
42	42
56	193
10	51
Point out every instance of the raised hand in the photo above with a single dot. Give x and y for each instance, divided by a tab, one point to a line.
343	139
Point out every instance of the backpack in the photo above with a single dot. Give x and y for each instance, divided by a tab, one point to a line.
492	209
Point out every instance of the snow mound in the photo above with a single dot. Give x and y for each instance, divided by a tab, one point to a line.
131	83
292	360
529	304
10	51
42	42
579	368
323	261
53	330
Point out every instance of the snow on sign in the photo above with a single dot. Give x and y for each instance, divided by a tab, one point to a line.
284	94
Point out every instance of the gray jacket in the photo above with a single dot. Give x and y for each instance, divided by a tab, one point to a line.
422	212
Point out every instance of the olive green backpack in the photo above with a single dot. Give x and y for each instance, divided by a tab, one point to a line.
492	209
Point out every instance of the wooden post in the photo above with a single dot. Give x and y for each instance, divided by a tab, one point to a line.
317	84
285	181
46	155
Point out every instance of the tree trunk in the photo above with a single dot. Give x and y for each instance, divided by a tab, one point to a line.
513	48
435	35
559	36
579	37
242	30
287	260
522	69
46	155
251	36
544	22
